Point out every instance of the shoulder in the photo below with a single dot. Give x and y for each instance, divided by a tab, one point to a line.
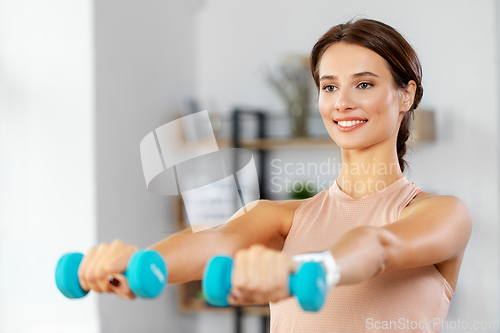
280	212
426	205
425	200
287	209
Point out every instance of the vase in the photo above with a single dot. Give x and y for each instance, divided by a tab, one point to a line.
298	118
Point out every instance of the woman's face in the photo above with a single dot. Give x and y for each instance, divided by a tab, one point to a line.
356	85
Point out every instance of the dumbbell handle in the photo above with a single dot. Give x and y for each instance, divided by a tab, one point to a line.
308	284
146	274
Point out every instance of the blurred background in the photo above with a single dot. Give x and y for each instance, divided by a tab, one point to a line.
82	82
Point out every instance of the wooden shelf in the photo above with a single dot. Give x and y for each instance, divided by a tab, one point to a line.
255	143
278	143
264	144
423	130
191	303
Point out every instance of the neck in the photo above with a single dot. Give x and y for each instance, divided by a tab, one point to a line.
369	170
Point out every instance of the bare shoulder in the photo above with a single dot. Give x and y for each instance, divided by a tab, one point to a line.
260	222
428	201
424	199
451	209
280	212
286	209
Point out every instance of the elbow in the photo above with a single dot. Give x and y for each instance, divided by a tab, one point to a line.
362	253
380	250
379	243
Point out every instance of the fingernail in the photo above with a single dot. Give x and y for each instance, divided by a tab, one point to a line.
235	294
114	281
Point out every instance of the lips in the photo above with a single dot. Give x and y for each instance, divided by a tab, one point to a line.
348	118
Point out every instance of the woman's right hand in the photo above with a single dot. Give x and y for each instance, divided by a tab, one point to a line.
102	268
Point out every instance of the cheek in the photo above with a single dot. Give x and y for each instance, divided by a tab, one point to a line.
323	106
381	105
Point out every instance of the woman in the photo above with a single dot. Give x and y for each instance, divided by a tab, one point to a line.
398	249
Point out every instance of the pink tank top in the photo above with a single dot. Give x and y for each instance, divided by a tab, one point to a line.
406	300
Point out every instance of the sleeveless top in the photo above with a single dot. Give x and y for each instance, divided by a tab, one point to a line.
405	300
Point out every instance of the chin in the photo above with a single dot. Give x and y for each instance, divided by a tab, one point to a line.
350	145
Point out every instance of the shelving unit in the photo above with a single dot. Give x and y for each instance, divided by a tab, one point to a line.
191	303
281	143
188	292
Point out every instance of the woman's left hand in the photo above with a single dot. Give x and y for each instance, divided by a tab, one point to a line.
260	275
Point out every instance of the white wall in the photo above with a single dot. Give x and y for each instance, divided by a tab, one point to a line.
47	175
144	69
456	42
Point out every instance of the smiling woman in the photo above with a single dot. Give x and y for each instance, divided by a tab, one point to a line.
392	253
391	239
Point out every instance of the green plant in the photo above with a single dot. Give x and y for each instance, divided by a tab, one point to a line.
302	192
293	82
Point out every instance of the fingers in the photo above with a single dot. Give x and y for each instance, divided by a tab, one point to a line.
100	275
87	272
104	261
264	278
260	275
122	288
239	276
279	289
114	264
83	269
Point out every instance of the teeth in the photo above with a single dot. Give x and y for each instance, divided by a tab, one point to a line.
350	123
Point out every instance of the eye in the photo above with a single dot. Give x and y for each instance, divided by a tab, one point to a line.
328	88
365	85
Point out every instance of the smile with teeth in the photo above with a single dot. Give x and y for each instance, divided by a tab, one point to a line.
350	123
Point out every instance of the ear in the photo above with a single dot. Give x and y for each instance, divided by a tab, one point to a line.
407	96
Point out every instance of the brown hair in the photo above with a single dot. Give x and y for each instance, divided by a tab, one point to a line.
390	45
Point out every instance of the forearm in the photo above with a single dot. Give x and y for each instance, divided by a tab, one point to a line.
186	253
361	253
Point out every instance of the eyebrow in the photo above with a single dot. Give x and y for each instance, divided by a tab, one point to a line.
356	75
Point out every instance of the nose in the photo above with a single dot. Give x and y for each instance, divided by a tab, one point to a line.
344	101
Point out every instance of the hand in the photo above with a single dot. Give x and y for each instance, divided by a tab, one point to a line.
260	275
102	267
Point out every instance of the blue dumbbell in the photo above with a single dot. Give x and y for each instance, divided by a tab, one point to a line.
146	274
308	284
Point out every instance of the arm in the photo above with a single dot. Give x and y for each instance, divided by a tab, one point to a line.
186	253
436	229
